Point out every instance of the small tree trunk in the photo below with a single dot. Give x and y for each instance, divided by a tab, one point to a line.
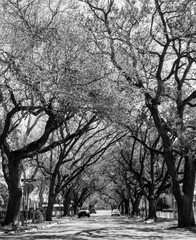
127	210
75	209
122	208
15	192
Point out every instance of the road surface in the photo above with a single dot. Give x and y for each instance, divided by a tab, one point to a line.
103	226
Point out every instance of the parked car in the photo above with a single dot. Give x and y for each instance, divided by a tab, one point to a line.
115	212
83	213
92	210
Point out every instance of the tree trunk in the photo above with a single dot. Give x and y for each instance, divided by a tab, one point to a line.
122	208
66	204
135	206
151	199
13	208
185	213
50	208
185	201
67	201
75	209
127	210
51	198
15	191
152	208
184	197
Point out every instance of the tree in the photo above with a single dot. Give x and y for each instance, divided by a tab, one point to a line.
152	45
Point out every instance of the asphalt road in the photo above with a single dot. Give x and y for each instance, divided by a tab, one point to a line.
103	226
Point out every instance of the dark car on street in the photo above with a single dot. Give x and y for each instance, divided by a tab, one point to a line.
92	210
83	213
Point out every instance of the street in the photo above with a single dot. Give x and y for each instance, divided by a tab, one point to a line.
103	226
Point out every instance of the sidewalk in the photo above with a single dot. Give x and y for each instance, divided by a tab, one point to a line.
34	226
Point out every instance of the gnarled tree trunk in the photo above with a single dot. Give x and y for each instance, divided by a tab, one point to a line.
14	188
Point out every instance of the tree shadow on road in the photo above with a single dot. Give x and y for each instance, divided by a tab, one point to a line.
176	228
96	233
